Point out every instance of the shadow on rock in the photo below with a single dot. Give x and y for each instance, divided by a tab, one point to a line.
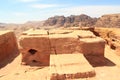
8	59
97	61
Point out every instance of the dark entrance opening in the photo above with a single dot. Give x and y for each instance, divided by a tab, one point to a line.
112	47
34	61
32	51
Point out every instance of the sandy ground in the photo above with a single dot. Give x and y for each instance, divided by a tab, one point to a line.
110	71
15	71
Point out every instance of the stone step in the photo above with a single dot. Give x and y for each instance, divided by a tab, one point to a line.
70	66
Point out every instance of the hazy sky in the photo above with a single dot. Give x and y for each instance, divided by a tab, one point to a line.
19	11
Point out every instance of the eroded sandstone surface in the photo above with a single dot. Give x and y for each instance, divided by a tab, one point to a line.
8	44
112	37
70	66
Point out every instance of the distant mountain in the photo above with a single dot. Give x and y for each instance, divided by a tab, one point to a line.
2	25
19	28
79	20
110	20
33	24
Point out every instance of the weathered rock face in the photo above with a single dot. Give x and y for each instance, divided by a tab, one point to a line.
92	46
112	20
62	41
37	45
8	44
81	20
57	20
35	49
70	66
60	20
112	37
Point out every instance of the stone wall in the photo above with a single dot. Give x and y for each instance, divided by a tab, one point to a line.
8	44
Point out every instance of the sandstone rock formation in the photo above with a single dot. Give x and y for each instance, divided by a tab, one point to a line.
92	46
63	50
112	37
8	44
80	20
70	66
35	49
43	43
110	20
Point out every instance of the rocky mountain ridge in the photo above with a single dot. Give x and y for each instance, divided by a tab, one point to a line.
73	20
109	20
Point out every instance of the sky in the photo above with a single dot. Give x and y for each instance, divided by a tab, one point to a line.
21	11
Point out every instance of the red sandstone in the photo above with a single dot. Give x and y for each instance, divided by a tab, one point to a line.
8	44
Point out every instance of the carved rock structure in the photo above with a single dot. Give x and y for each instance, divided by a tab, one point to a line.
70	66
63	50
8	44
35	49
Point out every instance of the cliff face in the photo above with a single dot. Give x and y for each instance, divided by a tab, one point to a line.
80	20
8	45
111	20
